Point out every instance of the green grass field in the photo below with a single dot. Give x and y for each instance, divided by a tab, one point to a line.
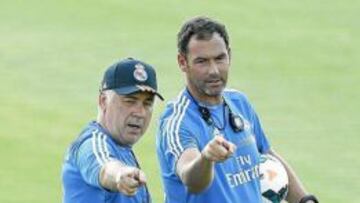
298	61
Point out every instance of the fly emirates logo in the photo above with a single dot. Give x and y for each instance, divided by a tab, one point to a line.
243	176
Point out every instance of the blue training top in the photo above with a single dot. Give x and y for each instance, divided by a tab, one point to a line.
181	127
83	161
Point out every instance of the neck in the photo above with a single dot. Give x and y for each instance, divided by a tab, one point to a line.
101	120
204	98
102	123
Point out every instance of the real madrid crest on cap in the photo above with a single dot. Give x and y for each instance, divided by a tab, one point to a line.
140	73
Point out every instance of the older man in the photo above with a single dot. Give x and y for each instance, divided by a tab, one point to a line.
100	165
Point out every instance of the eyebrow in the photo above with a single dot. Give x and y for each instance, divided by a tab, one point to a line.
151	98
130	97
220	55
223	54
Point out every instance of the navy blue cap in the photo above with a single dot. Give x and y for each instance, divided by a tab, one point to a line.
129	76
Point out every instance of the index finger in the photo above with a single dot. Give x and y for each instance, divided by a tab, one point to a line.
219	139
141	177
229	146
232	147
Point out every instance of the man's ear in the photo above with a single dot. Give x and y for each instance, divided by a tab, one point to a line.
182	62
229	53
102	101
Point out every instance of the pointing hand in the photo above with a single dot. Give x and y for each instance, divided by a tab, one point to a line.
218	149
129	179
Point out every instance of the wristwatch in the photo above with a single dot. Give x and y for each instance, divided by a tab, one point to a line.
307	198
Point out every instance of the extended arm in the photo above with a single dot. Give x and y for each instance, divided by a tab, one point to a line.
196	169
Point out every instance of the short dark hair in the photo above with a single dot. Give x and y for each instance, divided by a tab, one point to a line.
203	27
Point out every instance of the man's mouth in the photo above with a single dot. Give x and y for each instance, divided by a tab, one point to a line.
214	82
134	126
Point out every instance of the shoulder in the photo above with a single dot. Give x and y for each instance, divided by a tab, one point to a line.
236	95
179	119
239	101
91	131
91	137
177	110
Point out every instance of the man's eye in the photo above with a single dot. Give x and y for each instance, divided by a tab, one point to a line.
129	101
149	103
220	58
200	61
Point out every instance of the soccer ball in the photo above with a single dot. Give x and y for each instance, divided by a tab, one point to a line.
273	179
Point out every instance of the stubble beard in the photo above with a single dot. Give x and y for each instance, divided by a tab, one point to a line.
203	89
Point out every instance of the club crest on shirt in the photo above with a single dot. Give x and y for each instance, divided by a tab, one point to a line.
140	73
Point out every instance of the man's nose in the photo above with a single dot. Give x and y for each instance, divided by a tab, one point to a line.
214	69
139	110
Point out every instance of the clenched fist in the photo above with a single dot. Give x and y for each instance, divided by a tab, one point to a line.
218	149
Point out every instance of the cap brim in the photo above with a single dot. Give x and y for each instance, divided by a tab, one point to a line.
133	89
